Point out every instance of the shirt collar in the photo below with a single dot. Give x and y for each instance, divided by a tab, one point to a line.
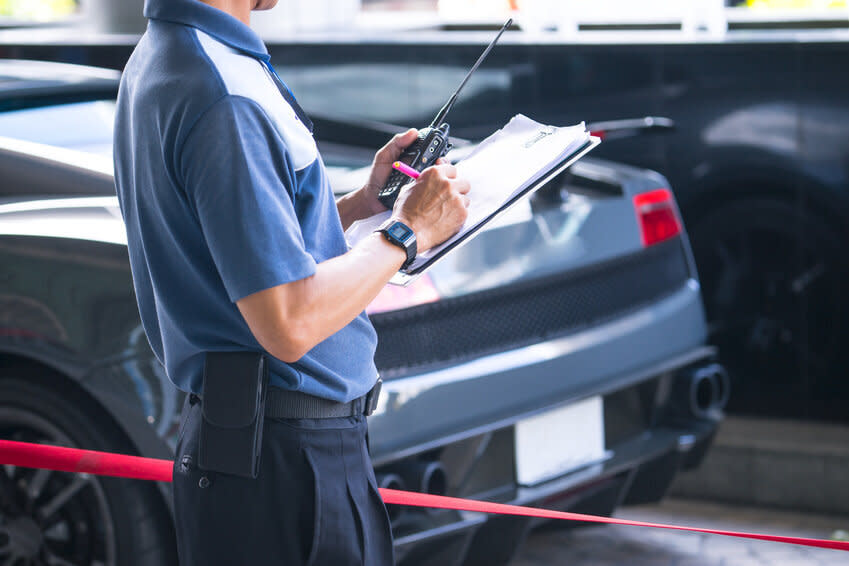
217	23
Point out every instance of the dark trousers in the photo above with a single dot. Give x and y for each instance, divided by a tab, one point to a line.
314	502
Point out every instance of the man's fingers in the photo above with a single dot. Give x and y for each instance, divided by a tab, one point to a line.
447	169
464	187
396	146
400	142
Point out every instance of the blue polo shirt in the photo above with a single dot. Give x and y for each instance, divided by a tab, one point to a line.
223	194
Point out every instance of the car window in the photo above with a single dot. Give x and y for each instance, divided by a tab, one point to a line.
393	91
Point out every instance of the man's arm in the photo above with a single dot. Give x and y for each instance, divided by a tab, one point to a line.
235	170
289	320
363	203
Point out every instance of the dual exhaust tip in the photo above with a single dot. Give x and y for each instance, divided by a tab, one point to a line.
704	390
422	476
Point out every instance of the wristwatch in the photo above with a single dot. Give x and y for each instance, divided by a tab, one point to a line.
402	236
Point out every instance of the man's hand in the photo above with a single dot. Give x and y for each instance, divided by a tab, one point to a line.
363	202
381	167
435	206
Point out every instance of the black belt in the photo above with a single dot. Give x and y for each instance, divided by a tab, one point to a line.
284	404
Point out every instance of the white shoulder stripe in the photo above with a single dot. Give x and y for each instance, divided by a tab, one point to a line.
245	76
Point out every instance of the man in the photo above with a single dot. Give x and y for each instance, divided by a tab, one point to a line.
236	244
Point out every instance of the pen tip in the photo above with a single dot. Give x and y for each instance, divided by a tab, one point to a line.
396	164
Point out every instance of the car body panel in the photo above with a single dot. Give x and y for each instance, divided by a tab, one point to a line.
507	386
68	245
557	303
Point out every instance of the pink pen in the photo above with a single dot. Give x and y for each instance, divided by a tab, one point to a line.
406	169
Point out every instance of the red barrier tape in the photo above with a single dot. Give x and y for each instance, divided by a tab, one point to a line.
28	455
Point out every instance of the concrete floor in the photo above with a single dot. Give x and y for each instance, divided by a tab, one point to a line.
605	545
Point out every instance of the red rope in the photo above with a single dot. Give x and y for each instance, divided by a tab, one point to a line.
441	502
27	455
62	459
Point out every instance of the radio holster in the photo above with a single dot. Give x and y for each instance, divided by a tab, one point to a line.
235	386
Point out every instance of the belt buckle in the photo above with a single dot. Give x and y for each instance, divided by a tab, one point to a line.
372	397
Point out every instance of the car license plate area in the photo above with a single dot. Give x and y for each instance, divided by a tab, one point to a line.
559	441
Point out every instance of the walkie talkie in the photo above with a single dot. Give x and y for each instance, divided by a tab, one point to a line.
432	142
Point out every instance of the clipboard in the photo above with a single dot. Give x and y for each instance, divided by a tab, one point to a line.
534	166
405	277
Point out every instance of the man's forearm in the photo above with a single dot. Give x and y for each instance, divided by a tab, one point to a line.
291	319
344	286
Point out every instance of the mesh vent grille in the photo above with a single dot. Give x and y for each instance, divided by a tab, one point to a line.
463	328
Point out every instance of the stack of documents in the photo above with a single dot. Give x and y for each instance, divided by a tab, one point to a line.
504	168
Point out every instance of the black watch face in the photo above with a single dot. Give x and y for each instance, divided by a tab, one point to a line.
399	232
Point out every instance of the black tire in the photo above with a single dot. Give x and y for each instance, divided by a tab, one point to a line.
773	282
104	521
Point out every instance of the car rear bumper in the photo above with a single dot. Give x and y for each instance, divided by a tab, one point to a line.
640	365
646	449
494	391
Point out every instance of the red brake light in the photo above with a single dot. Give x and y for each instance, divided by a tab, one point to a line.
657	216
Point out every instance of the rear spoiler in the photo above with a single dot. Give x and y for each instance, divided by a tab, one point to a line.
615	129
374	134
361	133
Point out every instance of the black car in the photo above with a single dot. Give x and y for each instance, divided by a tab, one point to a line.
559	359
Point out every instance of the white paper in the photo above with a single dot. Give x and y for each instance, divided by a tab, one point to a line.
500	167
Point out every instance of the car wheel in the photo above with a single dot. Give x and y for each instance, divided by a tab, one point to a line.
57	518
772	282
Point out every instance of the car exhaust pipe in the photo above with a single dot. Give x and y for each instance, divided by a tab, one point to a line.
702	390
724	386
392	481
424	476
434	479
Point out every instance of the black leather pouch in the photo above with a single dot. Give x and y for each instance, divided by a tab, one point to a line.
234	390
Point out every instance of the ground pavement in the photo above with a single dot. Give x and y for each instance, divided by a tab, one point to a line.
609	545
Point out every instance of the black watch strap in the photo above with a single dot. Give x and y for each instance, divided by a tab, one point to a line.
401	235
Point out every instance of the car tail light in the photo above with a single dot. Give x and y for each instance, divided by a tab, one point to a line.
657	216
393	297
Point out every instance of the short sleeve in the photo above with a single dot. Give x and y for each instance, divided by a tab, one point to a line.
237	175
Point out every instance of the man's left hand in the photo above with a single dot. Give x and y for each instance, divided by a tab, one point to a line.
381	167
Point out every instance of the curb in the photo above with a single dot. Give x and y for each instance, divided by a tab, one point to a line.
787	464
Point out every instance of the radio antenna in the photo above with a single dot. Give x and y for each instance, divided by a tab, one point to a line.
447	108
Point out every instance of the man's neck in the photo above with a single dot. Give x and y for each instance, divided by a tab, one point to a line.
239	9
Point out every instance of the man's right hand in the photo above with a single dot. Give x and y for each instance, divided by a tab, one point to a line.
435	206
